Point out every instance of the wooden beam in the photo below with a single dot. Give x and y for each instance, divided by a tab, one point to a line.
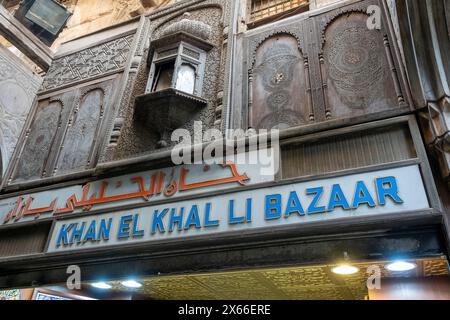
24	40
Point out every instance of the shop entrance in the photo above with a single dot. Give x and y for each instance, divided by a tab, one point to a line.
391	264
427	279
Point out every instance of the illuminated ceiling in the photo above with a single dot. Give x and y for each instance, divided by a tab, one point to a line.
287	283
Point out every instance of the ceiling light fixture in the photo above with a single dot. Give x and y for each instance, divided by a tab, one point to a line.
398	266
101	285
345	269
131	284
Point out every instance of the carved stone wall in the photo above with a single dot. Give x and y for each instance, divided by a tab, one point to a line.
92	62
110	132
295	72
18	87
134	138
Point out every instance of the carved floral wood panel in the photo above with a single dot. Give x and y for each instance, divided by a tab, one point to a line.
356	69
40	138
64	133
81	134
91	62
278	85
319	68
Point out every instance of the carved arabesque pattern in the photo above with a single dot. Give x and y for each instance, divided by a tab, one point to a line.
92	62
65	133
39	140
81	134
278	71
326	20
257	40
128	137
349	70
356	68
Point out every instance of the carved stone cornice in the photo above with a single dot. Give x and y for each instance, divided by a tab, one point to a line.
182	36
193	27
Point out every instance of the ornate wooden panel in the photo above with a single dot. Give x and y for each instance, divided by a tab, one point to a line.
39	140
356	68
81	134
339	69
64	133
278	83
91	62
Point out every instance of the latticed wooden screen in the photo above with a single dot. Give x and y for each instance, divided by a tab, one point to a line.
261	9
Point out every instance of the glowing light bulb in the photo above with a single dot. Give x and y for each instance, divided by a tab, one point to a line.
131	284
101	285
398	266
345	269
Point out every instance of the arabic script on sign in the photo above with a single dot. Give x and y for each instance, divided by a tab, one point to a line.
161	183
